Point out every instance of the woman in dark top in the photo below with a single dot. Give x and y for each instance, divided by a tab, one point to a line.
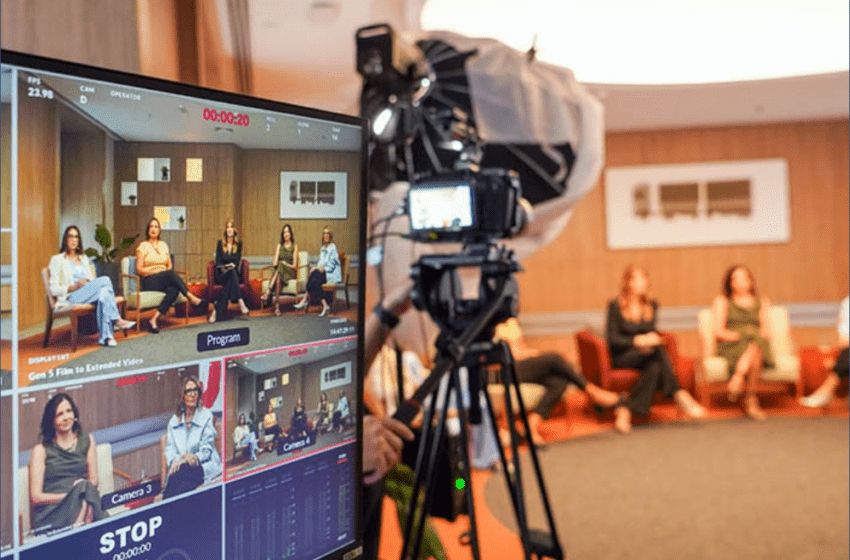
228	268
634	342
63	470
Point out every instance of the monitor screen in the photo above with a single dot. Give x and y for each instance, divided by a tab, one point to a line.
182	320
442	207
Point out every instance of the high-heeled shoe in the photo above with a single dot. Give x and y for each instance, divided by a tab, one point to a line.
816	400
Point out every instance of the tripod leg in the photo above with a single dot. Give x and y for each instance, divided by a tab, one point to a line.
425	443
429	472
552	547
519	501
467	475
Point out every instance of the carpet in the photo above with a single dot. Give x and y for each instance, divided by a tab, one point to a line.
724	489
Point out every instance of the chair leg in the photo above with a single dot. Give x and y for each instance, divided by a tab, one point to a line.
48	326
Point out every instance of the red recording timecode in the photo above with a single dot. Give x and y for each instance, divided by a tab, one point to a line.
226	117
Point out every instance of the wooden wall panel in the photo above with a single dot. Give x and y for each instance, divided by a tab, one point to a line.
83	170
579	272
260	199
97	32
208	203
38	201
103	405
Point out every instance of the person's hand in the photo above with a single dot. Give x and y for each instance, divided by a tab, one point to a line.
175	465
382	445
653	339
191	459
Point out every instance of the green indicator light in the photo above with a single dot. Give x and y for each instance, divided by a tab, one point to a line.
460	484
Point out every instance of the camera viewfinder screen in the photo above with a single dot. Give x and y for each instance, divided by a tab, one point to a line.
441	208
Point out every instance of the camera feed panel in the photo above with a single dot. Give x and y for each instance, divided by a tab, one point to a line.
288	404
173	230
112	446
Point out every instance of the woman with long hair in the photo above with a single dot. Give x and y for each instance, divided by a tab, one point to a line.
153	264
244	437
190	444
228	271
72	281
286	265
63	470
634	342
327	270
742	331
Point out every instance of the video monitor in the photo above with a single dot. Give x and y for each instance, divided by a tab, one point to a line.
182	320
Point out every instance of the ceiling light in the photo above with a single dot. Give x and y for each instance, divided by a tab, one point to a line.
661	41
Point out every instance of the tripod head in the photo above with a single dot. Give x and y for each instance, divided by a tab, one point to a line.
437	289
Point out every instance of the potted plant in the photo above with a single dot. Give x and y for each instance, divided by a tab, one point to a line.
104	261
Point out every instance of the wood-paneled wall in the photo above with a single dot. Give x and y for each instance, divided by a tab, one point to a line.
579	272
83	170
208	203
102	404
97	32
260	199
38	201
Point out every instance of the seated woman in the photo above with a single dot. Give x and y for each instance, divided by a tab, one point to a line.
323	411
839	366
327	270
298	424
341	412
63	470
742	330
190	446
228	271
244	437
72	280
285	263
634	342
549	370
153	264
271	427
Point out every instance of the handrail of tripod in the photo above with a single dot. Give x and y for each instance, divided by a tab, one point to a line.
408	410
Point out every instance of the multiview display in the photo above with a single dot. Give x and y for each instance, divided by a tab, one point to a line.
181	347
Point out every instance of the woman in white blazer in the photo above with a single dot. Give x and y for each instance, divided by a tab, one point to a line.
72	281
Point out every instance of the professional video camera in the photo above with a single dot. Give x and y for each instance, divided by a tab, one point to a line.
423	133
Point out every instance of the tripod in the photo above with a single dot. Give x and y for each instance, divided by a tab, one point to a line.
474	349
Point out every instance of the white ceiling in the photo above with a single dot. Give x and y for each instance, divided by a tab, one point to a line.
302	51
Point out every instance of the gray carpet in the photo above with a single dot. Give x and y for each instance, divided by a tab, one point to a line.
177	343
725	489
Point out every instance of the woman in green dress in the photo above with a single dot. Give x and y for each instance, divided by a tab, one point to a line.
285	263
63	471
742	331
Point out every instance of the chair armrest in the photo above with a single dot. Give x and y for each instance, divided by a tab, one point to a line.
265	269
121	474
714	368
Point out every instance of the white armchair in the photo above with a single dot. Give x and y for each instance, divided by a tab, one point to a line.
713	376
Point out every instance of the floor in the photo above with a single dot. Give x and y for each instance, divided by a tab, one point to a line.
572	418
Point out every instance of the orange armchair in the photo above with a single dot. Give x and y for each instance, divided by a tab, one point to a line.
596	367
